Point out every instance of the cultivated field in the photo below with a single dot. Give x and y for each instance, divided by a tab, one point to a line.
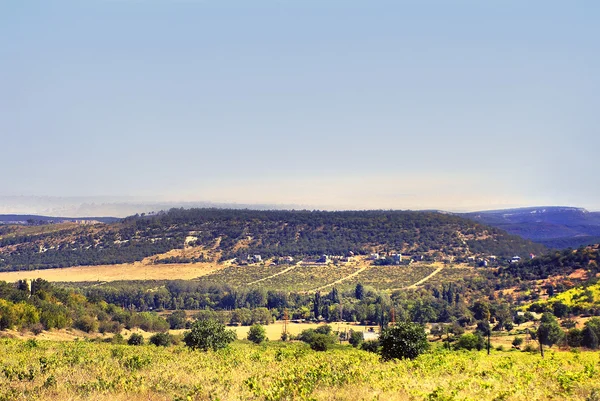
80	370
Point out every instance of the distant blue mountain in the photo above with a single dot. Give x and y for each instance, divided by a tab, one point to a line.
553	226
34	219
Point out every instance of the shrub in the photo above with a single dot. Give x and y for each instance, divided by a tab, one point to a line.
589	338
306	335
135	339
37	328
87	324
356	338
574	338
325	329
549	332
161	339
177	320
403	340
117	339
371	346
517	341
322	342
470	342
208	334
257	334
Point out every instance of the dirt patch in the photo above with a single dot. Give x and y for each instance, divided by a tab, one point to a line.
127	271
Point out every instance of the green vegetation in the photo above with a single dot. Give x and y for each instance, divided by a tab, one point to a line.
46	370
231	234
257	334
38	305
403	341
208	334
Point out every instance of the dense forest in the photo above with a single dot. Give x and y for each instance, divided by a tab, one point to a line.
237	233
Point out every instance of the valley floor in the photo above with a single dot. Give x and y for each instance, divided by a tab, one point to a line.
81	370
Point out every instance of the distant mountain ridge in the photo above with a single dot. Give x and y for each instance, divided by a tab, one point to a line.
553	226
35	219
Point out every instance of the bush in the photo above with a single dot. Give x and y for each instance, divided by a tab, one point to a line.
37	328
87	324
161	339
322	342
257	334
117	339
177	320
517	342
356	338
371	346
325	329
574	338
135	339
470	342
306	335
589	338
549	332
404	340
208	334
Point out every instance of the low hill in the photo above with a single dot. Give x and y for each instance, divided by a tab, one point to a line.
223	234
554	227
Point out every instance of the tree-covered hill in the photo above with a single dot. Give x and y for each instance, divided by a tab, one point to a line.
231	233
556	263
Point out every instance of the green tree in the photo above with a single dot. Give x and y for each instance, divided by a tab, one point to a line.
135	339
403	340
470	342
560	309
356	338
177	320
549	332
257	334
589	339
359	291
208	334
161	339
322	342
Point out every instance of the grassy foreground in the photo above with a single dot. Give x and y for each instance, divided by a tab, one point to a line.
80	370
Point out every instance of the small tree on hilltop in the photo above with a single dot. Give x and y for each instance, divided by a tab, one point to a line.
208	334
403	340
257	334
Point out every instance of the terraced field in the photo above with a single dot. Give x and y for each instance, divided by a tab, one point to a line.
308	277
452	273
311	277
391	277
241	276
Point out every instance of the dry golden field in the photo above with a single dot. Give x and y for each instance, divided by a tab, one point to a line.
126	271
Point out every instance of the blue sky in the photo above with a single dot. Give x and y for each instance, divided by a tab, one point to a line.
458	105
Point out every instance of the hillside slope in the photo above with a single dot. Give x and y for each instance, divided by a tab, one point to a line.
555	227
223	234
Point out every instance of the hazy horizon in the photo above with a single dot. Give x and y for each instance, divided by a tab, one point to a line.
126	206
458	106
